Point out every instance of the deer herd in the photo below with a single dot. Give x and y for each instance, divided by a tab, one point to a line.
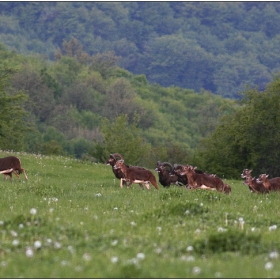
185	175
182	175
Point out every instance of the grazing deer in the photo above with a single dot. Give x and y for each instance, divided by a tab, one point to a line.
11	163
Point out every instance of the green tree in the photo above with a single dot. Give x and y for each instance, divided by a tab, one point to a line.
13	123
250	138
124	138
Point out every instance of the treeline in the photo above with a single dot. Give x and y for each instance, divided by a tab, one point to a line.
72	105
217	46
85	106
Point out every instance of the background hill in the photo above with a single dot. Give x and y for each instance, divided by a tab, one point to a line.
218	46
73	104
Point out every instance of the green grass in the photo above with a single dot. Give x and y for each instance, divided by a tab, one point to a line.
87	227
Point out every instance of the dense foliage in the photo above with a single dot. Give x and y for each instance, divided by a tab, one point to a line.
87	107
250	138
13	124
218	46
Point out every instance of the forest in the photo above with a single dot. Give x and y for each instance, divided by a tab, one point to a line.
72	104
216	46
67	91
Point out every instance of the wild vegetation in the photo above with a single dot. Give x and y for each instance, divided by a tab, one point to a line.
72	220
89	108
218	46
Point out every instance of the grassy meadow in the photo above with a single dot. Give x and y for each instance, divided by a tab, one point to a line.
72	220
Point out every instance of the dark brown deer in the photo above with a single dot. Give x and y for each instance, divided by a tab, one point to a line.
254	185
164	176
137	176
11	163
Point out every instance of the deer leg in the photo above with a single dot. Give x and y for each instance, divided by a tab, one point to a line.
129	184
147	185
24	174
15	172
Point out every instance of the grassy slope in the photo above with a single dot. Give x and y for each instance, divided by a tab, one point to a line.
84	222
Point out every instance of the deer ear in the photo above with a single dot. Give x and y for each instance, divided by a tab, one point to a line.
267	175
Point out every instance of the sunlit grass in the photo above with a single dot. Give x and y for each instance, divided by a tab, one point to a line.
72	220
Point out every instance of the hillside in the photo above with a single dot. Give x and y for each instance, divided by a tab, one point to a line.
68	102
217	46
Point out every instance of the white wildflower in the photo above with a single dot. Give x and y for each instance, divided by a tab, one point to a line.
37	244
29	252
221	229
114	259
268	266
158	250
140	256
189	248
14	233
33	211
273	255
87	257
114	242
271	228
57	245
196	270
15	242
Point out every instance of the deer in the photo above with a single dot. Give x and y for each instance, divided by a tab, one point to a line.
164	174
252	183
138	176
204	181
182	179
10	165
270	184
118	173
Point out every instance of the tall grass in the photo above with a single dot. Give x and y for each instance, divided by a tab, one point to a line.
72	220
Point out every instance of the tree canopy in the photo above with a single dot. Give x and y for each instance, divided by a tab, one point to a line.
250	138
13	124
218	46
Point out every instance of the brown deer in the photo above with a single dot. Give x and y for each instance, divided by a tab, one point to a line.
270	184
204	181
252	183
11	163
118	173
138	176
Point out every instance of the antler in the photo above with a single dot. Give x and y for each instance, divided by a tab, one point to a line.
167	164
116	155
178	166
